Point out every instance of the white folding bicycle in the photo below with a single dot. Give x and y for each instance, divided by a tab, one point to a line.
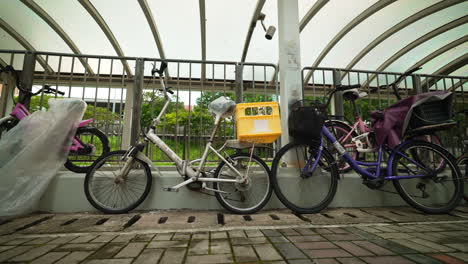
121	180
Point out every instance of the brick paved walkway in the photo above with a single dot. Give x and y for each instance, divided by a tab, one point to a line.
442	241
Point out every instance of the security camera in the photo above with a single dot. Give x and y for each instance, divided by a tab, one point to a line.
270	32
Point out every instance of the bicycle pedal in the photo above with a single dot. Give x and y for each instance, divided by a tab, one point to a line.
170	189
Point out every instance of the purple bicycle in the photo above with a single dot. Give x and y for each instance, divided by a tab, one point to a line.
305	174
89	143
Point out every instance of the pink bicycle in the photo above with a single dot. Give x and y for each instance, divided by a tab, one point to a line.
89	143
355	138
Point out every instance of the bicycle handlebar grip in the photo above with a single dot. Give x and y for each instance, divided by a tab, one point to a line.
169	91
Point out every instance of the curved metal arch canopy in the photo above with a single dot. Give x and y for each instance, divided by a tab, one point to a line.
356	21
253	22
59	30
452	66
434	33
105	28
406	22
10	30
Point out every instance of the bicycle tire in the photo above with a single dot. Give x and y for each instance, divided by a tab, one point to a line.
100	165
463	160
326	160
81	163
249	189
344	166
415	188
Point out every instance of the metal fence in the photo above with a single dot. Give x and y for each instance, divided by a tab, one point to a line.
317	82
123	96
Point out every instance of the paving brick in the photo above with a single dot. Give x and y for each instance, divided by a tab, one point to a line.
394	235
50	257
415	246
387	260
461	247
18	241
13	252
210	259
354	249
361	233
338	230
322	261
306	238
350	261
80	247
305	231
244	253
392	246
423	259
173	256
369	229
83	239
34	253
289	251
433	245
104	238
315	245
462	256
123	238
132	250
289	232
254	233
342	237
181	236
271	232
327	253
236	233
4	248
218	246
249	240
322	231
143	238
201	235
424	236
267	252
108	261
373	248
168	244
308	261
447	259
160	237
108	251
385	229
199	247
149	256
39	241
278	239
62	240
218	235
74	257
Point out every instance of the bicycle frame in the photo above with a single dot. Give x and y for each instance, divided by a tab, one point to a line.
183	167
356	165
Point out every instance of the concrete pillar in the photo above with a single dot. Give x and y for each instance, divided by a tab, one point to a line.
289	60
239	83
132	110
337	107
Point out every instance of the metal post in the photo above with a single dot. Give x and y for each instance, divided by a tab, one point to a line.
239	83
137	100
7	90
337	108
289	60
27	76
417	88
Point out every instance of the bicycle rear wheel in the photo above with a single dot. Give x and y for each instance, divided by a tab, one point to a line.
95	144
304	192
437	191
112	196
248	197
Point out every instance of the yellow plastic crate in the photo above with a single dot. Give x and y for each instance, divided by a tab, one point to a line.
258	122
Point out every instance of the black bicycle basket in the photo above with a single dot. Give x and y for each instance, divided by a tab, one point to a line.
432	113
306	120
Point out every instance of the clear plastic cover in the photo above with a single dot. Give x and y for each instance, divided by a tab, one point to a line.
222	106
33	151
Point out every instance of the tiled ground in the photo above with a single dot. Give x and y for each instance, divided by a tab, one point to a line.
382	235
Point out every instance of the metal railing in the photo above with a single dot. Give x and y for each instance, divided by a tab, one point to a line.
124	103
324	79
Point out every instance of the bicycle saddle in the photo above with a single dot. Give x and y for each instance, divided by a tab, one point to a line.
353	94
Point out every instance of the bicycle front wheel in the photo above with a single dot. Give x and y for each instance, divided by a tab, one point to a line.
248	197
430	189
304	190
110	193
